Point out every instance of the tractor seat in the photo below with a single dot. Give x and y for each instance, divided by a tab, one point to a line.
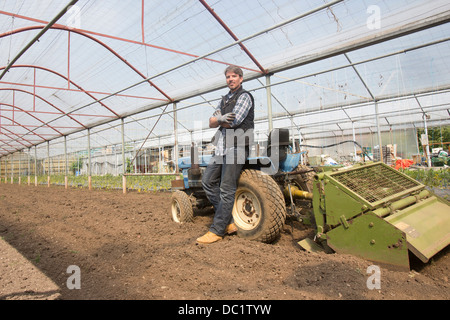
278	144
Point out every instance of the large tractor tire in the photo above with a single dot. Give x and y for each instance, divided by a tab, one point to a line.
259	210
182	210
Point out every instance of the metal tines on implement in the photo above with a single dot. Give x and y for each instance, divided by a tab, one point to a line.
380	214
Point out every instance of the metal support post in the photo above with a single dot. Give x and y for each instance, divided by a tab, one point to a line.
12	168
124	164
6	169
380	144
354	139
35	166
48	164
269	102
175	128
66	165
89	158
20	168
427	146
29	166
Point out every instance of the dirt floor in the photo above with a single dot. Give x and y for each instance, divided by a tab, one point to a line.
127	247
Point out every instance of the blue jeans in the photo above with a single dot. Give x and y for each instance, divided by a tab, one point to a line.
220	182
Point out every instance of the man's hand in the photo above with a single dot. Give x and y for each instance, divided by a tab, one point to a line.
227	118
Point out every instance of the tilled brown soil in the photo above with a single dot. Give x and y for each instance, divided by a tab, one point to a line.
127	247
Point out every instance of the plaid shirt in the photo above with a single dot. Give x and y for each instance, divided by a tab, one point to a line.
241	109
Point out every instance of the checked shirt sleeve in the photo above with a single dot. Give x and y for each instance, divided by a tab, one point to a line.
241	109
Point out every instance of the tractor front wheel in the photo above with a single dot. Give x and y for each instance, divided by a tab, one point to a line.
182	210
259	210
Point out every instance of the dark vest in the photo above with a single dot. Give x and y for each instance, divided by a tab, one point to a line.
240	139
229	106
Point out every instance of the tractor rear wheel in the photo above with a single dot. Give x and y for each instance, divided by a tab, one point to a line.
259	210
182	210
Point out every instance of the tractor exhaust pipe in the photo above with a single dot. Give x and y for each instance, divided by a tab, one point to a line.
195	166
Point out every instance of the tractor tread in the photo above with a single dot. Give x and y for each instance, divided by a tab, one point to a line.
274	200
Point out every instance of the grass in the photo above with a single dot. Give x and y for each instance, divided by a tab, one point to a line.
37	259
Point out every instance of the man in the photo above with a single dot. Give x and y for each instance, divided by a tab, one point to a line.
234	116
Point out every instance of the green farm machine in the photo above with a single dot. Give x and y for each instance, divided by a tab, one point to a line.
378	213
368	210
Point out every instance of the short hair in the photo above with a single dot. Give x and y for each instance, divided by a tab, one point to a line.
234	69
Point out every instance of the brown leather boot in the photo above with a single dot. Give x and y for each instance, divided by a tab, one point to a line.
208	238
231	228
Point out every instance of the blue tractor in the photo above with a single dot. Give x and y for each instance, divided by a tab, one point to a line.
268	188
370	210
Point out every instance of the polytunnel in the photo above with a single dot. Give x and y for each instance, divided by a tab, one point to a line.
92	85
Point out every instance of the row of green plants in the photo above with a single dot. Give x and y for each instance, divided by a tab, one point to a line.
432	178
439	178
107	182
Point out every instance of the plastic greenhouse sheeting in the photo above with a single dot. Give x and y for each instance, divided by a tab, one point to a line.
158	65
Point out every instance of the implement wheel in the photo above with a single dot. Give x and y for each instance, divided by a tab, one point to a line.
305	180
259	210
181	207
